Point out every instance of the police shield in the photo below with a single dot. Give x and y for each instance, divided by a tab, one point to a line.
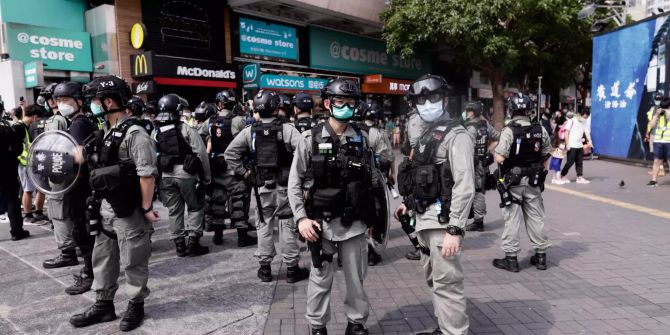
380	228
51	162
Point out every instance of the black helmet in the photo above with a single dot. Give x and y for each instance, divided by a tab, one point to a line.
48	91
228	98
170	106
373	111
303	101
341	87
427	85
204	111
151	108
266	103
474	106
519	102
111	87
70	89
284	102
137	106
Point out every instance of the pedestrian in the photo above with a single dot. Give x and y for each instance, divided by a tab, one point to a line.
658	122
332	208
574	134
522	155
184	167
558	150
438	185
124	176
21	127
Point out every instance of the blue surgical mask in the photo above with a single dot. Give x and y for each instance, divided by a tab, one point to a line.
344	113
96	109
430	111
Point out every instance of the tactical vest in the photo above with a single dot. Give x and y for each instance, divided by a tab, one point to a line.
220	132
271	155
482	140
147	125
304	123
172	146
342	174
526	149
109	145
40	127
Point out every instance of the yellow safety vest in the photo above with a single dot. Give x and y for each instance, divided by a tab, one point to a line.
23	158
662	131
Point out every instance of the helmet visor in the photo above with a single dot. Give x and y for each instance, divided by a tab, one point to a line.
426	86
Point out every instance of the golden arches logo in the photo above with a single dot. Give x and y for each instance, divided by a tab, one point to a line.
141	65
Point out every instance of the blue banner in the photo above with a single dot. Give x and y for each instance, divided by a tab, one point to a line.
268	39
621	61
292	83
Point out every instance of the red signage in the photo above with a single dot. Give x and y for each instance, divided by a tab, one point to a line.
373	79
387	86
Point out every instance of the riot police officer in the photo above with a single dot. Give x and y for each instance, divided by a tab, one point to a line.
201	114
438	186
230	197
270	145
183	163
137	109
329	191
302	109
124	178
484	136
522	155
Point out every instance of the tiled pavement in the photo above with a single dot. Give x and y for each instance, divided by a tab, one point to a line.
609	274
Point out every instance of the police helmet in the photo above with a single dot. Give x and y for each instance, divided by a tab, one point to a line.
228	98
373	111
170	106
303	101
341	87
136	106
474	106
70	89
266	103
204	111
427	85
111	87
519	103
284	102
48	91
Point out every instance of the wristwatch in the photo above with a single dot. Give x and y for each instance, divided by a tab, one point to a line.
453	230
151	208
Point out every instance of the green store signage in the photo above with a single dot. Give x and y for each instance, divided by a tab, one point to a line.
58	49
292	83
335	51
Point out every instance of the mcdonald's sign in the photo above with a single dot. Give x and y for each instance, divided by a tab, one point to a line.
141	65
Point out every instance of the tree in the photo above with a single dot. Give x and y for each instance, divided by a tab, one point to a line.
510	41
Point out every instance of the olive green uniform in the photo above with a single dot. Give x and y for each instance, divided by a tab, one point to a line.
132	248
351	241
531	209
479	202
444	275
274	202
179	188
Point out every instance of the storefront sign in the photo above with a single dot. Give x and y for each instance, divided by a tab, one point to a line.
34	74
292	83
58	49
373	79
145	87
195	72
387	86
137	33
268	39
335	51
141	65
251	75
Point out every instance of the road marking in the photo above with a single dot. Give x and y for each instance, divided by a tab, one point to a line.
609	201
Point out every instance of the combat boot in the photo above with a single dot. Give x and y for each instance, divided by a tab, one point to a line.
373	257
296	274
66	258
180	244
539	260
218	235
509	263
133	317
100	311
476	225
243	238
82	283
194	248
356	329
413	255
319	331
437	331
265	273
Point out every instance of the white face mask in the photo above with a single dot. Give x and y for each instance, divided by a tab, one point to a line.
66	109
430	111
657	102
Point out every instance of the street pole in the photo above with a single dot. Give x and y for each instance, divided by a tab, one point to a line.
539	96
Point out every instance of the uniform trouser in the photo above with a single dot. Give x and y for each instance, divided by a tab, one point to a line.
63	225
530	212
132	249
444	276
9	184
354	255
479	206
177	192
276	212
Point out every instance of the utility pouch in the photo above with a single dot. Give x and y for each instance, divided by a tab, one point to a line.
327	198
282	179
514	176
166	163
406	178
193	165
120	186
426	182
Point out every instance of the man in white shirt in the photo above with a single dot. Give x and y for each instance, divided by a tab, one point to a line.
574	133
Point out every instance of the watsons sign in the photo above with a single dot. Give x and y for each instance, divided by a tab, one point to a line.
58	49
204	73
292	83
335	51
